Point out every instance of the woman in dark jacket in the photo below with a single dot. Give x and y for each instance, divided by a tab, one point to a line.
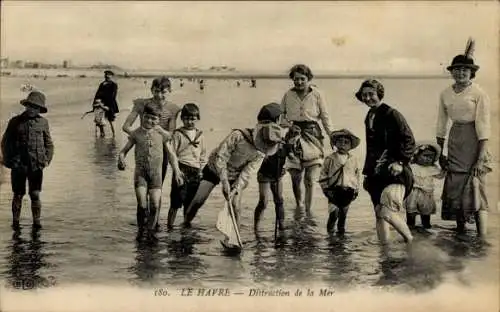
389	148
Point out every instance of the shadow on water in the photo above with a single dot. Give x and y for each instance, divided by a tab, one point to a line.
340	263
25	261
429	261
182	260
171	258
147	262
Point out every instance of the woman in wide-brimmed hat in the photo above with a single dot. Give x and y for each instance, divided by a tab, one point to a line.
468	107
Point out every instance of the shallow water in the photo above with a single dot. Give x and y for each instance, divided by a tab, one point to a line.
89	206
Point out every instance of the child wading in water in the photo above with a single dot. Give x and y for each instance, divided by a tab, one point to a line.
271	172
232	164
425	171
99	111
340	178
149	142
189	146
27	149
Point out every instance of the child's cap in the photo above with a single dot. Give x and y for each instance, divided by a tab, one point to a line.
422	146
347	134
269	112
152	110
109	72
190	110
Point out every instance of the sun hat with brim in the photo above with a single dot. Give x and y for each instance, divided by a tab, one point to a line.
267	137
345	133
37	99
462	61
428	145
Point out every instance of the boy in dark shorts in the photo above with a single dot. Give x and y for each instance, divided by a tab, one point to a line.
340	178
27	149
149	143
271	171
189	146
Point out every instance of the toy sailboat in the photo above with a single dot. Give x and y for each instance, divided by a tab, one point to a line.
227	225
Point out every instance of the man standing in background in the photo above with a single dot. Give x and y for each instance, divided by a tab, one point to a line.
107	94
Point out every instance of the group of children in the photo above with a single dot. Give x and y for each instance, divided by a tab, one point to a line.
27	149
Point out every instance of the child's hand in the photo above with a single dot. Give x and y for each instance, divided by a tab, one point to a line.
226	189
179	178
121	164
395	168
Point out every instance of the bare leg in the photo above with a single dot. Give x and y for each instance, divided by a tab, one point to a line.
277	190
311	176
199	199
296	176
36	208
397	222
142	205
154	204
264	188
236	201
481	218
17	202
112	128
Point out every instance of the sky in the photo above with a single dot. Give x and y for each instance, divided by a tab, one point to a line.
328	36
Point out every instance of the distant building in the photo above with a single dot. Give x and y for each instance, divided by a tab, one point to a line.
66	64
4	62
19	64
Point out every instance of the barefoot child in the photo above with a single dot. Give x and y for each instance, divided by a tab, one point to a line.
232	164
340	178
99	111
149	143
189	146
271	171
27	149
425	171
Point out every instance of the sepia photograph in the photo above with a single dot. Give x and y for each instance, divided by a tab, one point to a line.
249	155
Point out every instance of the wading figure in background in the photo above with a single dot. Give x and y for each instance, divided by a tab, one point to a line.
389	148
467	163
303	107
27	149
107	92
168	114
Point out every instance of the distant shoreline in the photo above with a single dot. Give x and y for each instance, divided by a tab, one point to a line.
82	73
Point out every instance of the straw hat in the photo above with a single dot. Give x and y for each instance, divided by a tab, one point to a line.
345	133
35	98
267	137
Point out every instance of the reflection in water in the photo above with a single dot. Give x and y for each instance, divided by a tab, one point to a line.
343	269
147	261
25	260
183	262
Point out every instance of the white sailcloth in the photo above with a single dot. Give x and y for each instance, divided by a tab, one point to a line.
226	223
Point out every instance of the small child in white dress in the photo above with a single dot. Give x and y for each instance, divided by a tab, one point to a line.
425	172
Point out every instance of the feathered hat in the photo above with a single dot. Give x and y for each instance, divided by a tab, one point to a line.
466	59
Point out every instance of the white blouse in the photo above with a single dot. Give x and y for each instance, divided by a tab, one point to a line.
470	105
311	108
